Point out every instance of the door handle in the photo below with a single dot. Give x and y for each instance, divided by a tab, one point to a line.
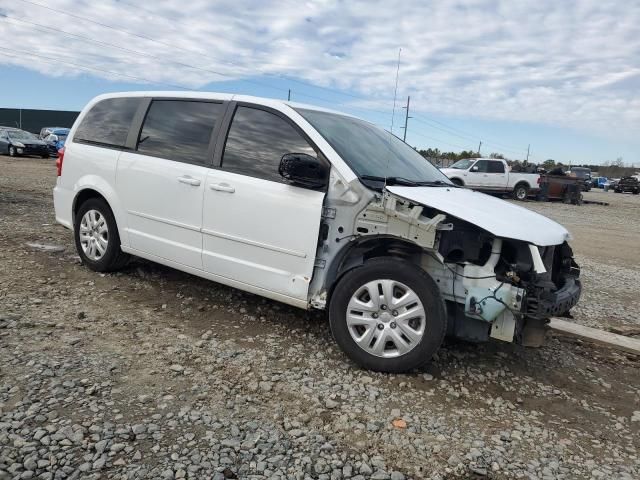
189	180
222	187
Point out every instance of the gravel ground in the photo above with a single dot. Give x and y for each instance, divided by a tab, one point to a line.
152	373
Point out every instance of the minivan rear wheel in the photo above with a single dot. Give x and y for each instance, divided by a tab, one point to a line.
96	236
387	315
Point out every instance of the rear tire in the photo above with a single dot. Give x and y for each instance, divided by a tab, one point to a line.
96	236
388	338
521	192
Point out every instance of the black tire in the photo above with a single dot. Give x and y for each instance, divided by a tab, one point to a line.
457	181
12	151
521	192
636	191
114	258
417	280
45	156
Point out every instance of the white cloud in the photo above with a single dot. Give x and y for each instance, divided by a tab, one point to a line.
570	64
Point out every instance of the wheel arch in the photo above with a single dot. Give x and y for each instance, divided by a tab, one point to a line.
522	183
457	181
357	252
98	188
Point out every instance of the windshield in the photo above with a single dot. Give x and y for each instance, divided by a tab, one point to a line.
370	151
463	164
20	135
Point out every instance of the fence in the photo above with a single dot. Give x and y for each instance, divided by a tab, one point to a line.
33	120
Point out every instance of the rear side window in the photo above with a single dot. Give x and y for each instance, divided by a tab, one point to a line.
496	167
179	130
108	122
257	141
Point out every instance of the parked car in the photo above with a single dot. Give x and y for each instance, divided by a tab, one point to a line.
584	174
46	131
493	176
313	208
599	182
56	139
628	184
15	142
610	184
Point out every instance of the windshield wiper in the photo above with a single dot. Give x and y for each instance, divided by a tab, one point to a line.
391	180
436	183
406	182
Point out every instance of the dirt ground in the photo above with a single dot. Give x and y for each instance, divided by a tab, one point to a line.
152	373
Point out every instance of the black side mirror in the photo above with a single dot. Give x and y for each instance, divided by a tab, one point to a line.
303	170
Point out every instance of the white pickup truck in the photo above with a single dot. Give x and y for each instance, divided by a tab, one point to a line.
492	175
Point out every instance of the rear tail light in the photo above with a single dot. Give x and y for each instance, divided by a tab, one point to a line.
59	161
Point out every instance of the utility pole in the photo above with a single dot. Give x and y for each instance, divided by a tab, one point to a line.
395	91
479	146
406	120
528	147
289	96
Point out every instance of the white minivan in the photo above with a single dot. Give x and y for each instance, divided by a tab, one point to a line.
313	208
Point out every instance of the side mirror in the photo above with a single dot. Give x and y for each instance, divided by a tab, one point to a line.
474	169
304	170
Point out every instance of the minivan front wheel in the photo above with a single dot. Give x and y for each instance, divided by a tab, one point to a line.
387	315
96	237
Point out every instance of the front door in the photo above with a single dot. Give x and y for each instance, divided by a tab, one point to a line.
258	229
161	184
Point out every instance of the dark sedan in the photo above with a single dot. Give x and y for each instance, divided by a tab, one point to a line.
16	142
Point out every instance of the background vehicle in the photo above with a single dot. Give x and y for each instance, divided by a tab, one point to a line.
584	174
315	209
492	175
610	184
599	182
16	142
46	131
628	184
560	187
56	139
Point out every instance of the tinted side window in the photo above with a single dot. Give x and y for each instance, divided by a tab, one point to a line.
179	130
482	166
257	141
108	121
496	167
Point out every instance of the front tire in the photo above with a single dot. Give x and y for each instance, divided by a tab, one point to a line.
96	236
12	151
388	315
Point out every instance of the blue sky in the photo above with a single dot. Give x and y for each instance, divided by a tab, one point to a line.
561	76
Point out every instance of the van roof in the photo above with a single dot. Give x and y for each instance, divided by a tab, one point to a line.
268	102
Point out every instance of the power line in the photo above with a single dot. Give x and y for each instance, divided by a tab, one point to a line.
172	46
160	42
144	54
111	72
